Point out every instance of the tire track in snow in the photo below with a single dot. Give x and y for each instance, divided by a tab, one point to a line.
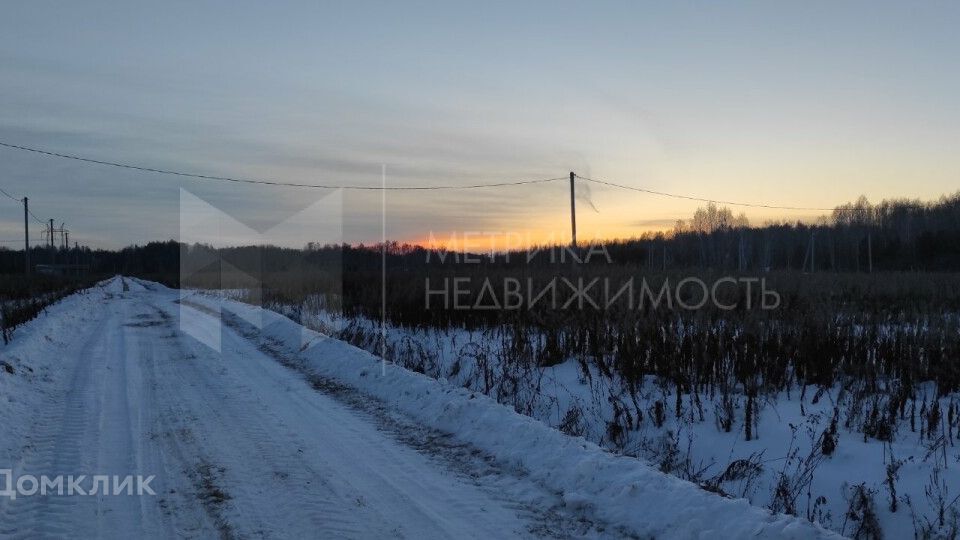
218	432
542	509
383	502
91	431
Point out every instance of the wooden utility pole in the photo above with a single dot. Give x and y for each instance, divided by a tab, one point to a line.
26	235
51	233
573	214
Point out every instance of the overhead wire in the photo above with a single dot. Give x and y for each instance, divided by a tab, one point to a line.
699	199
3	191
272	182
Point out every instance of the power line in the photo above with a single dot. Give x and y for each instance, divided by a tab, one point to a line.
20	241
270	182
3	191
700	199
26	229
20	200
391	188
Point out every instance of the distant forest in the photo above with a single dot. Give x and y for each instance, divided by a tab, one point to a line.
895	235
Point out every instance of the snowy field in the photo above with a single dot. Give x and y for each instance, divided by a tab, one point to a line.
284	432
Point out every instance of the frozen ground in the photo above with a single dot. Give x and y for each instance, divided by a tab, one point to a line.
256	427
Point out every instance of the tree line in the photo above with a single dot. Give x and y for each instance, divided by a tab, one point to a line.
894	235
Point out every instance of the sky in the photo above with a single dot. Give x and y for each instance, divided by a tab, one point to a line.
810	104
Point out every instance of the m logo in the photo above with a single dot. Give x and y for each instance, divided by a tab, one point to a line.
267	269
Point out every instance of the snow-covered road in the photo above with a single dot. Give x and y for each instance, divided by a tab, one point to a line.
239	445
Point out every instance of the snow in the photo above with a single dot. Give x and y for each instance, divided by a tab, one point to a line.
616	489
787	430
114	380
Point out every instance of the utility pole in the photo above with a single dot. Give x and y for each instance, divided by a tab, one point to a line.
869	255
50	248
63	230
26	235
573	214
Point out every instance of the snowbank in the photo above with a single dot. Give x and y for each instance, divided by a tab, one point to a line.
30	362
